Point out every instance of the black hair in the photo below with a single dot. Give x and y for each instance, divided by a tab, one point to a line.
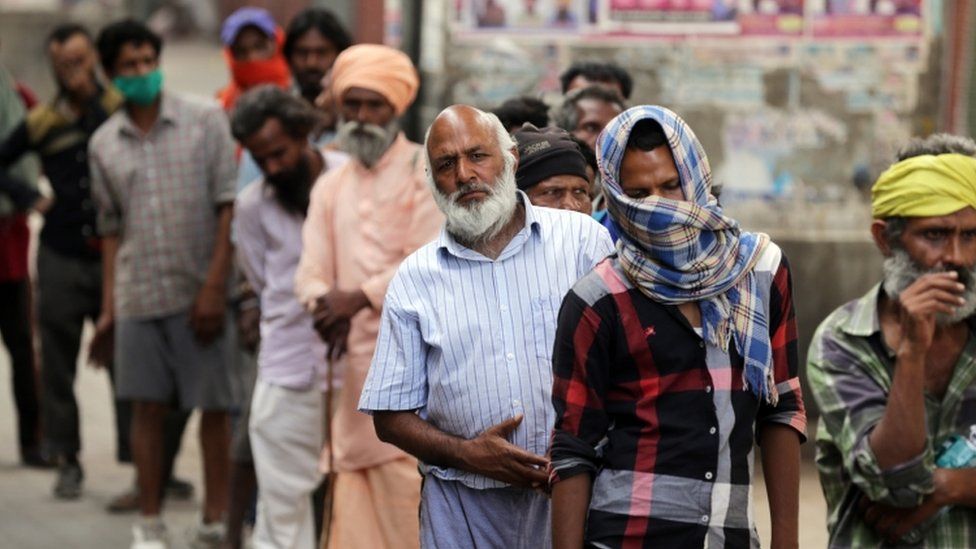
61	33
120	33
598	72
588	154
257	105
565	115
646	135
322	20
518	110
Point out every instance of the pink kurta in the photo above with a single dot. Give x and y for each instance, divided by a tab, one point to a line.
361	224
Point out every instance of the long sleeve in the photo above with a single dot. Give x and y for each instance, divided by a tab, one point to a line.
425	222
315	275
250	239
581	365
851	395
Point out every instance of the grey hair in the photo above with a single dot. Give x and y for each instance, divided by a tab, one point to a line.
504	139
257	105
565	115
935	144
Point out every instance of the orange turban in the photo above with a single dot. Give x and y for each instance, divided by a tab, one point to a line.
382	69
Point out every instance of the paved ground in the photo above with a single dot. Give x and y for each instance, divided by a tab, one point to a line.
30	518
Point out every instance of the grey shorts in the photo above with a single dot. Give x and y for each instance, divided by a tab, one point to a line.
158	359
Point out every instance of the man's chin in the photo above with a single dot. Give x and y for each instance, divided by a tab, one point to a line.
472	200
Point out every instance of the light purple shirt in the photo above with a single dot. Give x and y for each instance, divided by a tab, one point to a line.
269	245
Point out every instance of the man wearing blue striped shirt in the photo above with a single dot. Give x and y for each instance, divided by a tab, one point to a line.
462	374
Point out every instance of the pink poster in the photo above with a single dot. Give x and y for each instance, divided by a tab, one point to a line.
867	18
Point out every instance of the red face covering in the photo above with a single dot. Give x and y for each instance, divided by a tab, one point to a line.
247	74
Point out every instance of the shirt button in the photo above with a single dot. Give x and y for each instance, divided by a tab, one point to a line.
708	475
708	389
503	308
704	519
83	182
510	357
701	344
516	402
711	431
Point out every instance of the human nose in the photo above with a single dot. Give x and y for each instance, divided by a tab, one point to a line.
363	114
465	173
952	252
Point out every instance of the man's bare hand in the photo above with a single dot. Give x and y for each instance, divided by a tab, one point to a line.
492	455
928	296
337	338
207	315
336	307
102	346
249	328
893	523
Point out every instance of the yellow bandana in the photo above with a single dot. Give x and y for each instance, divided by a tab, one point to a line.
925	186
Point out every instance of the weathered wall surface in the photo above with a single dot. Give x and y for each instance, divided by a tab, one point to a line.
796	129
790	123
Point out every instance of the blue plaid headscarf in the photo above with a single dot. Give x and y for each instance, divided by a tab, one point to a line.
688	251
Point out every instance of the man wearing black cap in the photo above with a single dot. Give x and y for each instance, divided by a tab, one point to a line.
552	169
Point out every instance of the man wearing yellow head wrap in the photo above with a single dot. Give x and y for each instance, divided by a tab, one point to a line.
363	219
894	372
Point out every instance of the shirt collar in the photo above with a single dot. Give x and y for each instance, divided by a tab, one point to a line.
61	104
168	114
863	320
532	227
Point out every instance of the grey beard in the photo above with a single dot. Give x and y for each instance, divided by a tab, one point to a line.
901	271
484	220
366	142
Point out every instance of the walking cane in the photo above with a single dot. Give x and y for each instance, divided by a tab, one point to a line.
330	476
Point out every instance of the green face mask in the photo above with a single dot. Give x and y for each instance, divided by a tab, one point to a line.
142	89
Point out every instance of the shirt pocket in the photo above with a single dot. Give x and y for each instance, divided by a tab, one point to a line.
544	314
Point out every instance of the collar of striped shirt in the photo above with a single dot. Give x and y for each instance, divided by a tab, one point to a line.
447	243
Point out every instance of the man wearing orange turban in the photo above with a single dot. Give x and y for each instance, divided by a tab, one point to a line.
363	220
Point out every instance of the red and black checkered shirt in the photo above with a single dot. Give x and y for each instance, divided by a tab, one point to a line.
661	419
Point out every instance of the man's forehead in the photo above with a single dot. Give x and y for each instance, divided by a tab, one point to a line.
459	130
965	217
75	43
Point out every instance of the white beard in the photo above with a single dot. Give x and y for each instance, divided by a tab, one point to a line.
482	220
901	271
366	142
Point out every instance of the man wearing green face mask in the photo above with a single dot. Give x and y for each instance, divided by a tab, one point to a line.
163	176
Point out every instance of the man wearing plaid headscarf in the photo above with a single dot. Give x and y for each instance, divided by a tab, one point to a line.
672	357
894	372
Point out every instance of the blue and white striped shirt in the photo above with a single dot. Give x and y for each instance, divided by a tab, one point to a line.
467	341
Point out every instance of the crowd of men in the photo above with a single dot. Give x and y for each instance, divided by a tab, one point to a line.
537	328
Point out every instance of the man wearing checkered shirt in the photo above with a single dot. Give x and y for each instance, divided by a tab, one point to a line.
163	175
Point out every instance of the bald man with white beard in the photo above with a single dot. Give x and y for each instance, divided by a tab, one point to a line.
462	373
